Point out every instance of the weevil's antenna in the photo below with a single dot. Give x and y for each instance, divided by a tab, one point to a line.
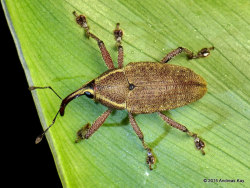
47	87
40	137
87	89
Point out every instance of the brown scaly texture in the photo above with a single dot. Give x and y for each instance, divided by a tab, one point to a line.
160	87
156	87
111	89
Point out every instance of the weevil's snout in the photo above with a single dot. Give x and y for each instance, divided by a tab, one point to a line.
87	89
64	104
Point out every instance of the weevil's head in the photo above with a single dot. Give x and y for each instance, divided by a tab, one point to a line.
87	89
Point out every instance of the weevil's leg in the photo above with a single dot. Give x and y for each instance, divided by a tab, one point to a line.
204	52
81	20
199	144
150	157
87	131
118	37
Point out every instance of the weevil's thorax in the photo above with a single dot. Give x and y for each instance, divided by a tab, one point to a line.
111	89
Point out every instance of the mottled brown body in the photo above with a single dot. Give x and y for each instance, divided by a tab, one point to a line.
161	87
157	87
111	89
140	88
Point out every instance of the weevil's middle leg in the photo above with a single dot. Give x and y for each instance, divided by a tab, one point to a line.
204	52
86	131
82	21
150	157
118	37
199	144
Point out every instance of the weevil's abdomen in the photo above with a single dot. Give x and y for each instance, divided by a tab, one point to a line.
160	87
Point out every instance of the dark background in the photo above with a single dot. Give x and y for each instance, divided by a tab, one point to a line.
25	163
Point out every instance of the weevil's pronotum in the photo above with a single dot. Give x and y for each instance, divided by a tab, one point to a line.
139	88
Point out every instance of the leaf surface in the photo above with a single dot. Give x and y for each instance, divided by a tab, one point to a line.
54	51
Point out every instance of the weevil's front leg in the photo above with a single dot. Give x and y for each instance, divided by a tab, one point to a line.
204	52
118	37
86	131
150	157
199	144
81	20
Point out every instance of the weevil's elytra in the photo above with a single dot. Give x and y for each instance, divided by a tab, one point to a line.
139	88
162	85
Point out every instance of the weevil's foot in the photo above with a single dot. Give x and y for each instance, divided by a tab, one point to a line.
118	34
150	159
82	132
199	144
204	52
81	20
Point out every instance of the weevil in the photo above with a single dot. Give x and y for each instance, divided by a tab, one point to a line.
139	88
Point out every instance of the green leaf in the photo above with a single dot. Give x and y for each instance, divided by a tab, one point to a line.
54	51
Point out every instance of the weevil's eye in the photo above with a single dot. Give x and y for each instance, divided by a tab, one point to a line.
88	94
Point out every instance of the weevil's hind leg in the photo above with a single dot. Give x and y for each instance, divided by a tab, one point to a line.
150	157
199	144
204	52
118	37
86	131
81	20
